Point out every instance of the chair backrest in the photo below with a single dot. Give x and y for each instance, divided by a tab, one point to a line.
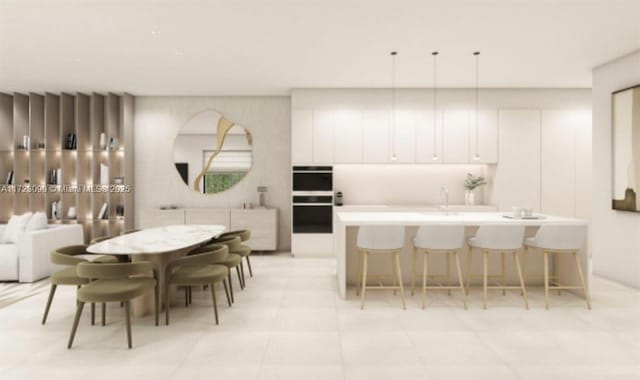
65	255
500	236
380	237
440	237
243	234
558	236
99	239
233	242
214	252
114	271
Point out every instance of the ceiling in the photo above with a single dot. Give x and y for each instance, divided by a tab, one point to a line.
260	47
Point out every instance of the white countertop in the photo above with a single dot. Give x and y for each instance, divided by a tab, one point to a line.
416	207
157	240
420	217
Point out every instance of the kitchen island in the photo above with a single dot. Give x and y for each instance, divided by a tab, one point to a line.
346	223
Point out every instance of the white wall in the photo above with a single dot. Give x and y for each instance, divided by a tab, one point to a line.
157	122
615	236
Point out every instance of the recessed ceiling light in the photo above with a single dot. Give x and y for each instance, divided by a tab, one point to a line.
179	53
155	32
77	60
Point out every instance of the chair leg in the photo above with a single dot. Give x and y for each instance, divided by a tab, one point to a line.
546	279
415	263
215	303
93	313
239	277
226	291
556	268
399	277
524	290
190	295
167	304
230	287
425	264
186	296
503	270
525	252
104	313
365	260
460	280
394	274
249	266
156	303
448	272
244	283
485	269
52	291
469	263
127	313
74	328
359	272
581	276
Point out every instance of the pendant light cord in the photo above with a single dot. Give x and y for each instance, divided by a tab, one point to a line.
477	55
393	102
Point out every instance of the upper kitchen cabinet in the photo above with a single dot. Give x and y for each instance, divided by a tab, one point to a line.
347	137
323	136
428	138
456	136
487	138
376	136
301	136
403	133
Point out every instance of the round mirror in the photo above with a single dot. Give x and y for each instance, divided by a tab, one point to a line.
212	153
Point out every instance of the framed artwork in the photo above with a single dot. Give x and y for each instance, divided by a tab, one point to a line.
625	115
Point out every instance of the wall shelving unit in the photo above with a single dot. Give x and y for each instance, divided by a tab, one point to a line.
48	120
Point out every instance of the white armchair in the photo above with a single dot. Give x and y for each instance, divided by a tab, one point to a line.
28	259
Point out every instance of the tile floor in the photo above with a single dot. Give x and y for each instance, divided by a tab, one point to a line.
290	324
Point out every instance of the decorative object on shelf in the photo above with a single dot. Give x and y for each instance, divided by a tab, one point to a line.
72	142
394	157
71	213
10	178
211	153
119	210
435	106
261	195
104	211
118	180
339	199
103	141
470	184
26	142
56	210
625	155
113	144
41	145
476	155
59	176
104	175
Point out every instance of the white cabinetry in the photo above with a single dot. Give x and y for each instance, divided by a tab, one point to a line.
518	176
208	216
263	225
558	163
323	131
347	137
375	136
488	136
456	136
403	136
301	136
158	218
424	135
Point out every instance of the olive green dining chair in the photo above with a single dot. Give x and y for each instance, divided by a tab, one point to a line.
198	268
233	260
70	256
243	250
119	282
99	239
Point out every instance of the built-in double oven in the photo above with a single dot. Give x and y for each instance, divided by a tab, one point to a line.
312	199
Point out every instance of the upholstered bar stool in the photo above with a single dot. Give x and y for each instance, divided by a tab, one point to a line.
375	240
447	240
501	239
556	239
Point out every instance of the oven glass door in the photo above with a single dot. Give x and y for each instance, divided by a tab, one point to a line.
313	219
312	181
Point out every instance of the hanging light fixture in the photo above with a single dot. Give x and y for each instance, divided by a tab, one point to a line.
394	157
476	156
435	104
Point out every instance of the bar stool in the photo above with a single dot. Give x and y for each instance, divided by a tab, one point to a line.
439	239
558	239
501	239
380	240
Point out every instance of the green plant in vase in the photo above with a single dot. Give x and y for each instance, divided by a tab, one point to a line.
470	184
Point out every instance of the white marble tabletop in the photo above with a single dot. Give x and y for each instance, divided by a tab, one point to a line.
416	218
157	240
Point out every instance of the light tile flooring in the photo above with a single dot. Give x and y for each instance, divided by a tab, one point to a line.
290	324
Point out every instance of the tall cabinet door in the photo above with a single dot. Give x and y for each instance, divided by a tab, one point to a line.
558	162
403	136
375	136
323	130
428	137
487	139
456	136
347	137
518	176
301	136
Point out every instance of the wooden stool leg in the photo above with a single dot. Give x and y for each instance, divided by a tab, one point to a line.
394	276
524	265
365	260
424	277
524	291
448	272
460	280
415	263
503	270
359	273
556	269
469	262
396	255
485	266
546	279
581	276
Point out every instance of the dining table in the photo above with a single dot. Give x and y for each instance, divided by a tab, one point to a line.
157	245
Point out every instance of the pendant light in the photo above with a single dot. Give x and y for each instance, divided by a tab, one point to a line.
435	106
394	157
476	156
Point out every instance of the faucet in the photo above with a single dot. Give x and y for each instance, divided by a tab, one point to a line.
444	190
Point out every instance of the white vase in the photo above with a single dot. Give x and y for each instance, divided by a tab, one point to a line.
469	198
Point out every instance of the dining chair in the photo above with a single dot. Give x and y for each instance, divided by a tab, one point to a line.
243	250
233	260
